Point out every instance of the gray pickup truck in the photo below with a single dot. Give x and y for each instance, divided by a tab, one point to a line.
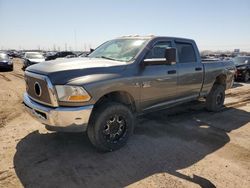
123	78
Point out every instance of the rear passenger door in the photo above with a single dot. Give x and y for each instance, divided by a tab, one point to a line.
190	71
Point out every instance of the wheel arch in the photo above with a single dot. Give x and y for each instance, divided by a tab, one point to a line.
221	80
119	96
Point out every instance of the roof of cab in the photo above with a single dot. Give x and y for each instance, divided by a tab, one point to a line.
152	37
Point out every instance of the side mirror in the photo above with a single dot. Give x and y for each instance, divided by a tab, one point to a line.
170	55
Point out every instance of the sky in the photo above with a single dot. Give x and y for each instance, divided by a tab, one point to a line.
79	24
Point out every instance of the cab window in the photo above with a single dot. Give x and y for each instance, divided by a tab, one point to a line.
186	53
158	51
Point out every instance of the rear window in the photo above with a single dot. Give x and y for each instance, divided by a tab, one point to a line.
4	56
185	52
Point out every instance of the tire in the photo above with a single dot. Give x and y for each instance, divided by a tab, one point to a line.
246	77
110	126
215	99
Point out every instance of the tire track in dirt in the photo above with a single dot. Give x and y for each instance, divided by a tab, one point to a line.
238	103
11	94
5	78
236	94
17	75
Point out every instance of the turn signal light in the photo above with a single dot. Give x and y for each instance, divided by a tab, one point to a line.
79	98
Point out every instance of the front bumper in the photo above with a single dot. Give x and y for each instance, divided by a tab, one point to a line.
67	119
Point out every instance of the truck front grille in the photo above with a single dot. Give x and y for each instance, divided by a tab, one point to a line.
39	89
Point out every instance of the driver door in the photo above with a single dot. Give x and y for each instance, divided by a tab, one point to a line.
158	82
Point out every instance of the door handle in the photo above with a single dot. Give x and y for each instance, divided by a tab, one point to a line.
198	69
172	72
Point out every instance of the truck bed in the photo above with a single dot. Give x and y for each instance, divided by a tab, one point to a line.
213	68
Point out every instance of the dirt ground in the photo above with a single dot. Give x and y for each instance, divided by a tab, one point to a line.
184	146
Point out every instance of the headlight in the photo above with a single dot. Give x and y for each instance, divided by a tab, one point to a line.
10	62
68	93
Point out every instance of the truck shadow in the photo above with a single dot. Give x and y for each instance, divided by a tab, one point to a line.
164	141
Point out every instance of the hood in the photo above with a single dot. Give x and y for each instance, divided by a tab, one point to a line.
63	70
36	60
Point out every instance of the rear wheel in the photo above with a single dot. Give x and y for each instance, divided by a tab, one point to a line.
215	99
110	126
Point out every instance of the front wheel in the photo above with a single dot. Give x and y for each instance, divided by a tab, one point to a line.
215	99
110	126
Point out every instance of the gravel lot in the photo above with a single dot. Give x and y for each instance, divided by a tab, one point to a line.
184	146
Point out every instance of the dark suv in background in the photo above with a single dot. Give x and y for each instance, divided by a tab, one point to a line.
242	64
62	54
5	61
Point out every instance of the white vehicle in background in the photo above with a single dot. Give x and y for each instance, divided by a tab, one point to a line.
31	58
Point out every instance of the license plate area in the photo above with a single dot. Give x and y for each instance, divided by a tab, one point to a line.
37	113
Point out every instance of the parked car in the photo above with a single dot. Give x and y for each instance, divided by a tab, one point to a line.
13	54
31	58
5	61
62	54
242	64
50	53
121	79
83	54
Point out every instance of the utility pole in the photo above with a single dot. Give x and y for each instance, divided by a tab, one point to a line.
75	40
65	46
85	47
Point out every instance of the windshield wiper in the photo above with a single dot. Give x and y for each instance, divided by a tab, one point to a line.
104	57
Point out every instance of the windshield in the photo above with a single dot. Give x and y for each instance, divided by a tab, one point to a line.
34	56
119	49
4	57
241	60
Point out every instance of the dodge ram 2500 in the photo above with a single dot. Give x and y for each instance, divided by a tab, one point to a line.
125	77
